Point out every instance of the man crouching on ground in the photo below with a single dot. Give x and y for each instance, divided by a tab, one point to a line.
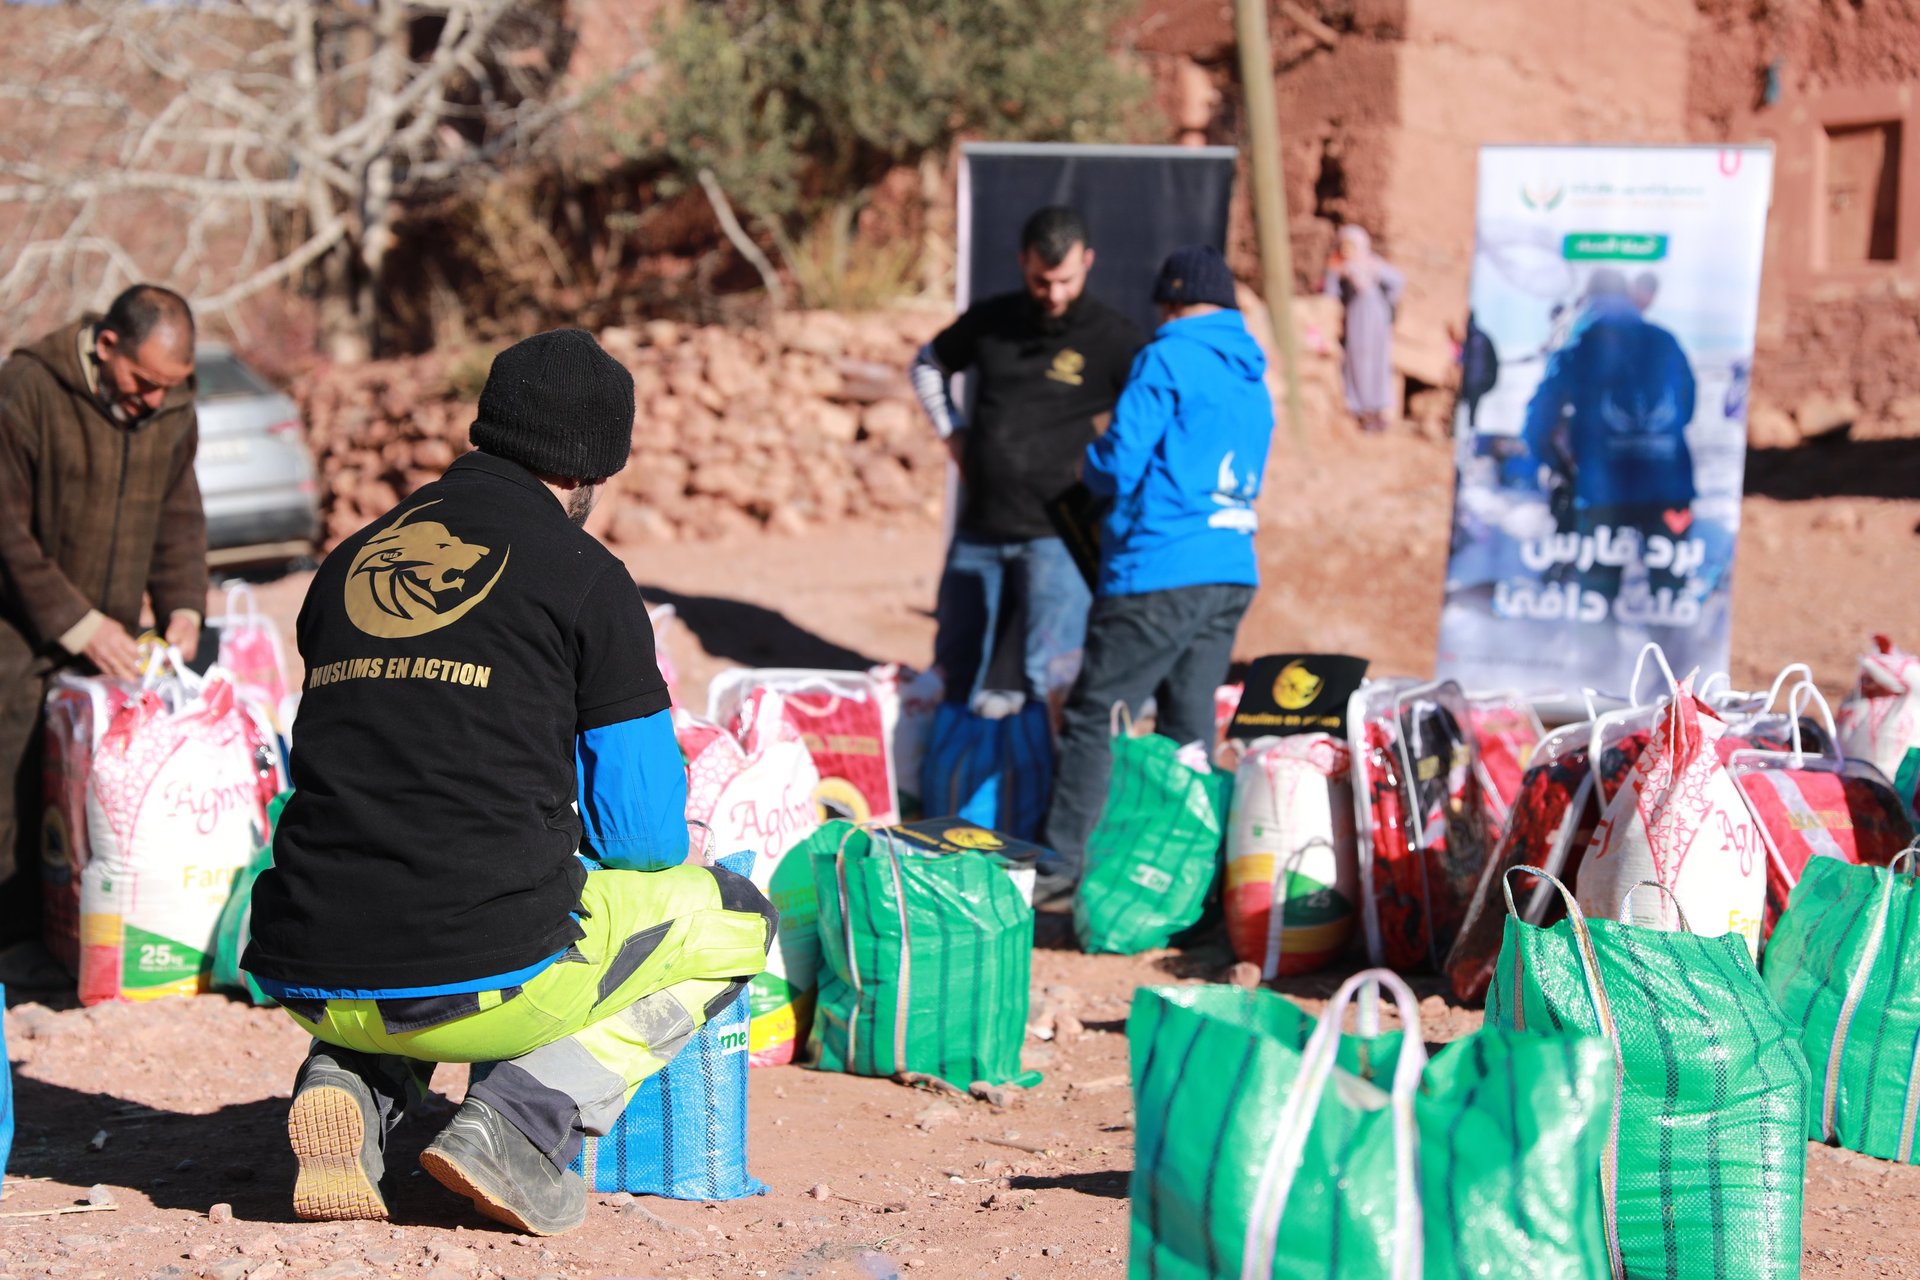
475	663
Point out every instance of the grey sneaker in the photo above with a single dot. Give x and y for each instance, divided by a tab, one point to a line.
481	1155
334	1127
1053	891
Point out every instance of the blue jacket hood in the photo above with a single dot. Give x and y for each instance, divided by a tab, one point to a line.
1183	460
1225	334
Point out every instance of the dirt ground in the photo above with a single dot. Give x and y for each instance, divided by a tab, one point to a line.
171	1109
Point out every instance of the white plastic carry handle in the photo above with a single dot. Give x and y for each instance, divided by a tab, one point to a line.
166	662
1120	720
1804	693
1303	1104
242	605
1659	656
1787	673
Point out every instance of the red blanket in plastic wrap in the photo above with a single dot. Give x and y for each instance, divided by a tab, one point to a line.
1816	813
1553	819
1429	834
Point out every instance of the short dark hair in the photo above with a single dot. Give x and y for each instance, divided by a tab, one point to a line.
1052	232
143	308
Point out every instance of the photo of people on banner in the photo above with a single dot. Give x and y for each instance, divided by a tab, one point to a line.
1600	435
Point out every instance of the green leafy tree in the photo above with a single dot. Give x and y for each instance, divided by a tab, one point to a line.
796	107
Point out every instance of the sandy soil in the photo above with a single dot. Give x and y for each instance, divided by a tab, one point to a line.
190	1096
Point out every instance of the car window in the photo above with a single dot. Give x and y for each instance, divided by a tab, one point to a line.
223	377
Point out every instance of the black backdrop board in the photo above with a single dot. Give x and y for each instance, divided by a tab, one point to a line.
1140	203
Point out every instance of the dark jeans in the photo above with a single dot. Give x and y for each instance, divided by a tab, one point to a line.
985	585
23	691
1173	645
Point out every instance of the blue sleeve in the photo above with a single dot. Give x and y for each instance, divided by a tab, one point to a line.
1685	388
633	794
1549	402
1117	462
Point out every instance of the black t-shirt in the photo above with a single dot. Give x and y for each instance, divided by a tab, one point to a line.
454	649
1038	383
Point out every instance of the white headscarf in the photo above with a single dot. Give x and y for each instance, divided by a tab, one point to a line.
1358	262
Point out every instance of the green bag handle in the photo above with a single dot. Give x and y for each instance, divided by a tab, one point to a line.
1303	1104
904	999
846	935
1626	903
1120	720
1603	1013
1856	990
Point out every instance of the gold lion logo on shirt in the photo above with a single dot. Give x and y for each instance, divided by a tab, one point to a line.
1068	365
1296	687
411	578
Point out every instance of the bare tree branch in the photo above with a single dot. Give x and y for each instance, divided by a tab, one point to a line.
741	241
247	144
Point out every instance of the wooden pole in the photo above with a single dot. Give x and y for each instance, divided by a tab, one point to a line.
1269	197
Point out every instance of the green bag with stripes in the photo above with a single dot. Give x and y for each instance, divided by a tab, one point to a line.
927	959
235	927
1267	1145
1701	1176
1155	851
1844	963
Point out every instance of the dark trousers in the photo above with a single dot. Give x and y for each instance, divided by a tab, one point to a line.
1174	646
23	690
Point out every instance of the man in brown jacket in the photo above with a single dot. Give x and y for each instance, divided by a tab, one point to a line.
99	510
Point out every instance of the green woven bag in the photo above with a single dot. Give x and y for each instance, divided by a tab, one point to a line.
1702	1176
1844	963
1271	1146
927	960
231	934
1155	851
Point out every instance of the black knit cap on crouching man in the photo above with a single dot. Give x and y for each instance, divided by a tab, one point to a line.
470	654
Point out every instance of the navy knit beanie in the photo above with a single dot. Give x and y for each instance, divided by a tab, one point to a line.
558	405
1196	273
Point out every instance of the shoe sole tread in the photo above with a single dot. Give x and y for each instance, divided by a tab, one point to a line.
328	1132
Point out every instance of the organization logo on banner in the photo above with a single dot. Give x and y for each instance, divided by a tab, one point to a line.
412	577
1543	197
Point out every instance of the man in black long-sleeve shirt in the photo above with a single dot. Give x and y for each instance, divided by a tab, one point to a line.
1046	362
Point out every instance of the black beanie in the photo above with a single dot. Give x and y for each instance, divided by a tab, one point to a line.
559	405
1196	273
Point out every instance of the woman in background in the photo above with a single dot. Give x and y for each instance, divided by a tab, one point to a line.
1369	289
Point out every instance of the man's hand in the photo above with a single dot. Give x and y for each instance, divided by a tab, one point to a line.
183	633
113	651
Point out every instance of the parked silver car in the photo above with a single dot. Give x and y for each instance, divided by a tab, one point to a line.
255	471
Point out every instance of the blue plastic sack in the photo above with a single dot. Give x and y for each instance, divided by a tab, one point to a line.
6	1098
996	774
684	1135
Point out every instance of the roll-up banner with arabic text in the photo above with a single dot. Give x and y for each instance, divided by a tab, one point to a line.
1600	437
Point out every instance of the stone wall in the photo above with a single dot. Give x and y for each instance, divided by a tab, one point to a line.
1839	335
734	430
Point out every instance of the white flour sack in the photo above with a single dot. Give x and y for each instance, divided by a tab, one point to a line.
1880	719
1292	868
759	796
176	804
1678	819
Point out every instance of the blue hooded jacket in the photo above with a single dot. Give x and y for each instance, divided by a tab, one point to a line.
1183	460
1612	412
